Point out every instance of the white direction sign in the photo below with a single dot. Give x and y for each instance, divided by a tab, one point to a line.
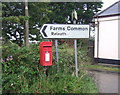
65	31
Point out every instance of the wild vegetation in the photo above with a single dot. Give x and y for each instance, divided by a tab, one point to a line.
22	73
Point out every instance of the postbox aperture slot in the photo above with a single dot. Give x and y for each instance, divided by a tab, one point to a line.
48	46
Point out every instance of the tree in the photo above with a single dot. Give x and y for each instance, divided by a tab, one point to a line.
14	18
26	36
85	11
13	22
41	13
61	12
38	13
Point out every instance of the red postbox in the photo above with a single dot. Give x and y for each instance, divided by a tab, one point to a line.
46	53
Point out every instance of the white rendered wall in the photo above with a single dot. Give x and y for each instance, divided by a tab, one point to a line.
108	38
119	38
96	41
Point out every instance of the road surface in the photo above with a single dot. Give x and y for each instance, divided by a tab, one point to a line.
107	82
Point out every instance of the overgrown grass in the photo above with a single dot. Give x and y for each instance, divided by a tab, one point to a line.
24	74
85	61
99	67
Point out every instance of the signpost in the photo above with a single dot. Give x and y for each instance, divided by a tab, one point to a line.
70	31
73	31
74	19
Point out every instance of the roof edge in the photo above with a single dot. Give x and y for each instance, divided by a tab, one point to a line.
105	9
107	16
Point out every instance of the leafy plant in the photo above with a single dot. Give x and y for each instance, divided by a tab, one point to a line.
23	74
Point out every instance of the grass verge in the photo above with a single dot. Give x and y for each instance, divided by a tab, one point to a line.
99	67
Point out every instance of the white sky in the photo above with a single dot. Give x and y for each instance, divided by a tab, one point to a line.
108	3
